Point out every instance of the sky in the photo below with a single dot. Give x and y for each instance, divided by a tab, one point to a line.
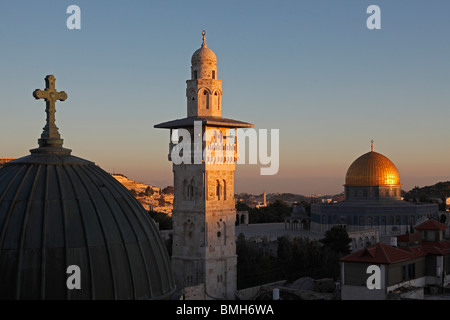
311	69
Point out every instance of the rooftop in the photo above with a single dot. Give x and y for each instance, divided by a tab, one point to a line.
431	224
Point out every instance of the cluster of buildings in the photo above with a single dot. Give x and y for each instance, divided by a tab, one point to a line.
150	197
58	210
413	263
5	160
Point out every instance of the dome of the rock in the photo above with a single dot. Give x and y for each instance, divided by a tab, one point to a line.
372	169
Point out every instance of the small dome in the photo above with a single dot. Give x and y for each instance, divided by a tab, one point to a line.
204	55
298	211
372	169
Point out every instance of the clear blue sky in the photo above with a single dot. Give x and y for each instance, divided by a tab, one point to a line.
309	68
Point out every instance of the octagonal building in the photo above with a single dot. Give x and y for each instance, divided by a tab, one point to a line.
372	201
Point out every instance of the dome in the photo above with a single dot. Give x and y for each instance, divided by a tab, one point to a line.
298	211
372	169
57	210
204	55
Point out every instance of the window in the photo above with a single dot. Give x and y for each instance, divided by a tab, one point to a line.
195	74
224	190
190	192
214	74
205	93
218	190
411	271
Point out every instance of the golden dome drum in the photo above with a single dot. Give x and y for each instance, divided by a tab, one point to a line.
372	169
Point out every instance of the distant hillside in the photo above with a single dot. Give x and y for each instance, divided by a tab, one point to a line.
438	191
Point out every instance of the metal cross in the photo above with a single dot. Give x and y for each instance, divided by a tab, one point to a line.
50	95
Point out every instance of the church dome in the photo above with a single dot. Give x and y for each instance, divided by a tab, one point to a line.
204	55
372	169
56	211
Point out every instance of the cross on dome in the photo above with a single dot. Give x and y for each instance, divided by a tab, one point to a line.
50	136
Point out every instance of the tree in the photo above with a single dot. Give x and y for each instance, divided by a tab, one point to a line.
148	191
162	201
337	239
165	222
167	190
134	193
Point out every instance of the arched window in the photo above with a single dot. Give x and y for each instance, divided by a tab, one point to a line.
217	100
205	93
218	189
224	190
190	192
203	99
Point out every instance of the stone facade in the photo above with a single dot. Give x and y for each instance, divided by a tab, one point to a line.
204	213
390	218
362	238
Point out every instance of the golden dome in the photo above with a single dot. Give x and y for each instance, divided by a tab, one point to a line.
372	169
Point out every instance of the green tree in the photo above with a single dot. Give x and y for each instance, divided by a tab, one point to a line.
337	239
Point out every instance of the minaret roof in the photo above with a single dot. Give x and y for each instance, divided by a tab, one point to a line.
206	120
204	54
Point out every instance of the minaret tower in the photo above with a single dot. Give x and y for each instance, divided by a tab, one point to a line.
204	214
204	91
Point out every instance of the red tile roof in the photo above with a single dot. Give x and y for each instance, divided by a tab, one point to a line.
439	248
409	237
431	224
384	254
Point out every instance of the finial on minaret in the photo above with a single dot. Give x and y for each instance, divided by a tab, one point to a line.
50	137
204	40
371	146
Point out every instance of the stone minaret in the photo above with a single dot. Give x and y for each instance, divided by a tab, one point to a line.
204	214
